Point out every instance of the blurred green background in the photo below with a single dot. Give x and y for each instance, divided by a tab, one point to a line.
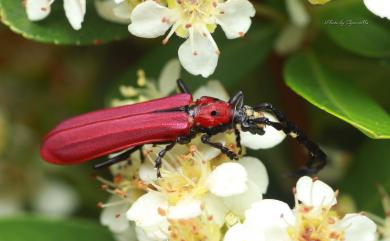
334	72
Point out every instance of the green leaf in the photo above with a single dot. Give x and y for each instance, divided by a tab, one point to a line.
45	229
56	29
355	28
237	58
370	166
329	91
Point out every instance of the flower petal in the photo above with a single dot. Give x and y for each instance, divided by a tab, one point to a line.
298	13
168	77
38	9
357	227
227	179
109	10
198	55
109	217
315	193
272	216
75	11
289	39
149	210
256	172
241	232
147	20
380	8
55	198
128	234
213	88
239	203
215	208
147	173
271	137
234	17
185	209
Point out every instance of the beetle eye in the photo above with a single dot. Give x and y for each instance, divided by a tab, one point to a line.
213	113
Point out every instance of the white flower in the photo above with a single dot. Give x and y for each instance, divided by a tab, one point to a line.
190	189
293	33
116	10
55	198
311	219
194	20
74	10
166	84
380	8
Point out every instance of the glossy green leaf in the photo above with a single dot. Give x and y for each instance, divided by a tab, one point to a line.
355	28
337	95
56	29
370	166
238	58
45	229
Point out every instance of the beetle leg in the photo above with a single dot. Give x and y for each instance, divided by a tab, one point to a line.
206	140
121	157
161	154
317	158
182	87
238	139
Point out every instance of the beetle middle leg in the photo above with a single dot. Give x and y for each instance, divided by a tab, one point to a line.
160	155
231	154
317	158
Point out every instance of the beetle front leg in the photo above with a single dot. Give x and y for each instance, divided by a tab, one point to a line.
161	154
317	158
238	139
231	154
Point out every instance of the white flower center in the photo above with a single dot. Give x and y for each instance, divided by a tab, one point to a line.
198	15
315	226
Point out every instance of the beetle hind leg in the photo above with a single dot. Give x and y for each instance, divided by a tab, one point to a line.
121	157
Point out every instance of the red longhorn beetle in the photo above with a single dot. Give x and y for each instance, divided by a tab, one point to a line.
172	120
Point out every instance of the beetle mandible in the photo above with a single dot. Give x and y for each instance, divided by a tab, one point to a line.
168	120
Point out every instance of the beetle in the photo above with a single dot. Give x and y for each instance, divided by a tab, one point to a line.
170	120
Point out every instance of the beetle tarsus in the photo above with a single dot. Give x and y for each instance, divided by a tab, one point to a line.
231	154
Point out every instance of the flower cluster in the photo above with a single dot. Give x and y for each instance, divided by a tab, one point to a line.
74	10
203	195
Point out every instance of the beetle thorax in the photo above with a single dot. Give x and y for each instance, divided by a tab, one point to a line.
211	112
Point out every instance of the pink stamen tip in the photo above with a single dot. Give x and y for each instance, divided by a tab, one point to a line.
222	12
195	53
100	205
214	4
188	25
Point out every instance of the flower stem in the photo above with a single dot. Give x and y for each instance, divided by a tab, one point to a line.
269	12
